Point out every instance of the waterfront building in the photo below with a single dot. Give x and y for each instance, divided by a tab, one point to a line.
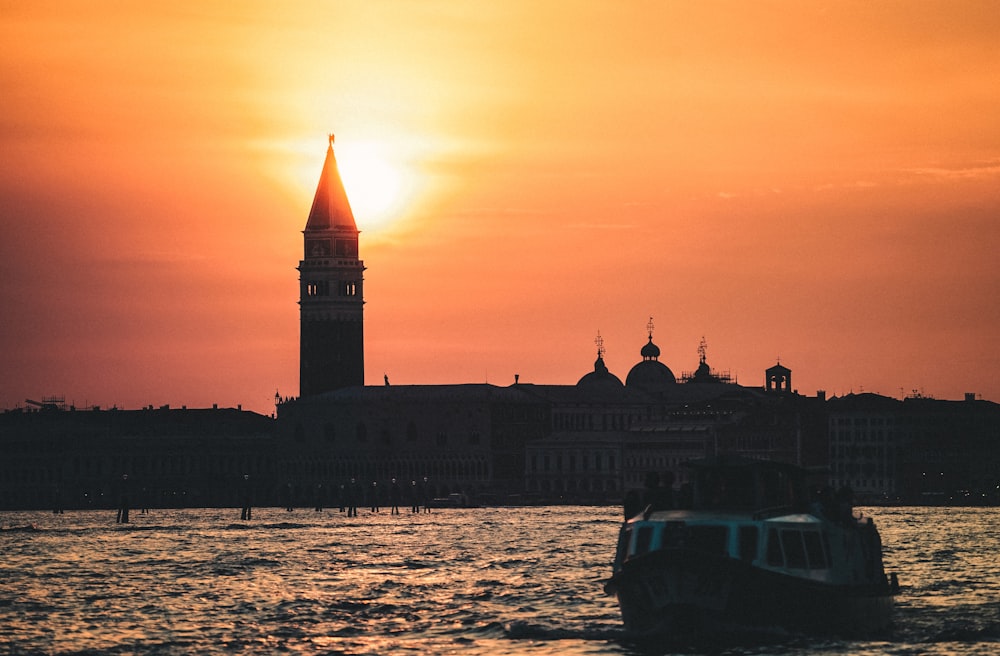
467	439
951	450
865	446
59	458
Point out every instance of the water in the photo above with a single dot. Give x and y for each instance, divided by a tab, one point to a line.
478	581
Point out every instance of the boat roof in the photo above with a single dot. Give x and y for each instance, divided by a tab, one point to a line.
724	517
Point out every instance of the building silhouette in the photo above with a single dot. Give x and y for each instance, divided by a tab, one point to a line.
594	441
64	457
331	297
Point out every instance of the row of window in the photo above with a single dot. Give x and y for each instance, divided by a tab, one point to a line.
650	463
586	485
342	248
586	462
323	287
385	436
855	452
139	467
868	470
860	436
402	468
790	548
865	484
862	421
589	421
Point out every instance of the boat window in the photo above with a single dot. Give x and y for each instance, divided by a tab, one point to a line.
774	555
707	539
748	543
643	538
814	549
795	553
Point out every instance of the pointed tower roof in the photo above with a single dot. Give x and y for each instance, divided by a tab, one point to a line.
330	208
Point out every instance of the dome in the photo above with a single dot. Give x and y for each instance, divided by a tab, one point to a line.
599	377
650	350
650	374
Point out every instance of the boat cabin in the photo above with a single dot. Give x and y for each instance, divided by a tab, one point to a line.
757	512
744	485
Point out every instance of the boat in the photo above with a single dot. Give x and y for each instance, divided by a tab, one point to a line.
751	551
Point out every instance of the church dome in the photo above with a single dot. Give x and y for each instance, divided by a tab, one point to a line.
650	373
599	377
650	350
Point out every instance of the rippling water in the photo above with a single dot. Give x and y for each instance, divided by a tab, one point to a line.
478	581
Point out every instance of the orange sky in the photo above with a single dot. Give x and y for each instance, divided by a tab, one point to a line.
818	182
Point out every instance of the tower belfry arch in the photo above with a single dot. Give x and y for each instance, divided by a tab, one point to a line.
331	298
778	378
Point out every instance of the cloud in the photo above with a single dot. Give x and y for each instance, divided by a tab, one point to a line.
981	171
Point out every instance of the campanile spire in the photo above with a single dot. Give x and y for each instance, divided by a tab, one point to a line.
331	302
330	208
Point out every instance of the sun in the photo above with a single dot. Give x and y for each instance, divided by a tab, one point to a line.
375	182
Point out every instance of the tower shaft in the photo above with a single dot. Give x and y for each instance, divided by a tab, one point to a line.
331	300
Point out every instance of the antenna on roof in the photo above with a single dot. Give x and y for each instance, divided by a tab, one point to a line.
600	344
702	349
649	327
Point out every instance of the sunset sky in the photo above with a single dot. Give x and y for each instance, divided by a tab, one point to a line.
812	181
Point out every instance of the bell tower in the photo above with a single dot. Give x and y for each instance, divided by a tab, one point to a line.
331	303
778	378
